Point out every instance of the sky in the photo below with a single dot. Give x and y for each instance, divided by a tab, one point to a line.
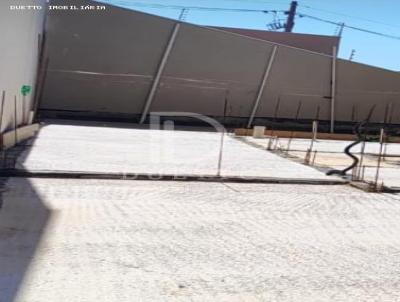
375	15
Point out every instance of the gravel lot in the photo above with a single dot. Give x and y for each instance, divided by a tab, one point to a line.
91	240
153	241
93	148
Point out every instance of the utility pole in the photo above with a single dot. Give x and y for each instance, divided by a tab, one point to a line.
353	52
183	15
340	29
291	15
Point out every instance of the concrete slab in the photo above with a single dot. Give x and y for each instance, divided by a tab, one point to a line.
106	241
92	148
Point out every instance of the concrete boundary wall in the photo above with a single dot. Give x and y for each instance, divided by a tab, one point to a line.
104	62
20	34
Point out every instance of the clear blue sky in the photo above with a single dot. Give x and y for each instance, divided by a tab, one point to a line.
376	15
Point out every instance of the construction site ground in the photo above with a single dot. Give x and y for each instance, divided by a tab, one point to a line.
329	154
151	240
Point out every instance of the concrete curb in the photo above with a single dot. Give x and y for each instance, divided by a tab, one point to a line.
165	177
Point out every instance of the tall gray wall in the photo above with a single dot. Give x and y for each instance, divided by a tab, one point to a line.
315	43
19	51
105	62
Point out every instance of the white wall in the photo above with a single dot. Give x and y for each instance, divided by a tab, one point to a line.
19	48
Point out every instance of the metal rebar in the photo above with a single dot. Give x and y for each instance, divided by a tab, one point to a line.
277	106
314	157
221	148
3	152
363	173
378	166
23	110
300	104
362	156
15	120
3	98
310	150
333	88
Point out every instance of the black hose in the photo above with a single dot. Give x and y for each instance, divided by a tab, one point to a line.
348	153
358	129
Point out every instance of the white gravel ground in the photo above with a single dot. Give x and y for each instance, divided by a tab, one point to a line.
91	240
103	149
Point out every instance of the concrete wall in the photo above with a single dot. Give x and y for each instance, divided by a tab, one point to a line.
315	43
19	51
104	62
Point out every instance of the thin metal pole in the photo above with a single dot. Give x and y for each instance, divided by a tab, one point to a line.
269	147
221	145
314	137
314	134
333	89
378	167
262	86
159	73
3	151
15	120
23	110
296	119
221	148
3	98
314	157
361	158
315	130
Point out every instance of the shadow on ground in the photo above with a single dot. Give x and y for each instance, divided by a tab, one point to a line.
23	221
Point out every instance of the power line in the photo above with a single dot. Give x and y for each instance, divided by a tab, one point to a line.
350	27
349	16
245	10
180	7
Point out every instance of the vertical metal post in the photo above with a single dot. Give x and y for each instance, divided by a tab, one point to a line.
296	119
221	148
378	167
315	130
3	98
23	110
262	86
221	145
333	88
159	73
271	137
15	120
361	159
313	139
314	158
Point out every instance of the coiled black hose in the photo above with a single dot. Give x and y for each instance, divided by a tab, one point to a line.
361	137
